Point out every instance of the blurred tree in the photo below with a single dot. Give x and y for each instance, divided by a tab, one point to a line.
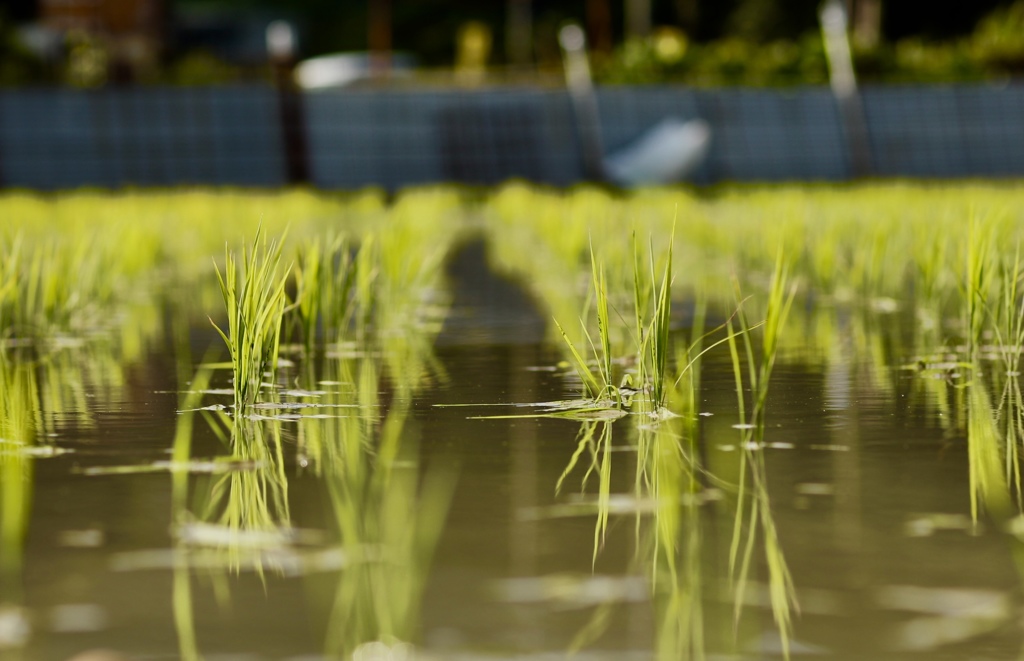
638	18
599	25
19	11
519	33
768	20
934	19
18	65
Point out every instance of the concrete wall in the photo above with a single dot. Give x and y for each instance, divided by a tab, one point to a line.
232	135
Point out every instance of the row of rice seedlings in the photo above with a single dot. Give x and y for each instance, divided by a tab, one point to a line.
877	248
121	247
870	248
382	278
545	241
324	274
37	295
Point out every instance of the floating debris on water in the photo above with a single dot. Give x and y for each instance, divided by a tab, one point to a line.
290	562
197	466
211	407
15	628
616	504
951	615
298	392
572	409
208	534
84	539
961	602
78	618
301	405
926	525
815	489
14	448
572	590
291	417
380	651
885	305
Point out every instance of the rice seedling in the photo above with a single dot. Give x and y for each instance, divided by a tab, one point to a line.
668	488
598	385
653	336
254	295
978	282
324	275
752	467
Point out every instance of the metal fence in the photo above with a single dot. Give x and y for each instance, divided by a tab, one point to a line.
233	135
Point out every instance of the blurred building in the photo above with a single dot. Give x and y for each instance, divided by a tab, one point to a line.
108	40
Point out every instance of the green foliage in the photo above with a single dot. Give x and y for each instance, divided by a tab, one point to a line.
994	50
201	68
727	61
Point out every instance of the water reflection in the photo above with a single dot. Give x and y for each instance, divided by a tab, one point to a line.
342	419
875	478
18	427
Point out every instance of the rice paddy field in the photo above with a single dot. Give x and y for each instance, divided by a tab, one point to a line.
513	423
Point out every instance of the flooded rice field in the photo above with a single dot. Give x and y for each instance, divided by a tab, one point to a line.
513	424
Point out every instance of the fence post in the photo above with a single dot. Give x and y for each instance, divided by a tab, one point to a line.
281	50
844	85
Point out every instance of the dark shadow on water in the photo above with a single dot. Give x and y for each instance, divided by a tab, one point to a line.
487	308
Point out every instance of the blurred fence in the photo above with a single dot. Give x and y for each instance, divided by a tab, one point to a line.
232	135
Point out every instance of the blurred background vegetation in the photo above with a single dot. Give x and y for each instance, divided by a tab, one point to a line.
696	42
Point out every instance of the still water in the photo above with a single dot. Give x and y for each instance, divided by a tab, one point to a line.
363	517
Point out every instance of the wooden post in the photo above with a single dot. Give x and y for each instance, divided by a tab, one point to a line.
519	34
834	27
380	37
638	18
281	51
584	101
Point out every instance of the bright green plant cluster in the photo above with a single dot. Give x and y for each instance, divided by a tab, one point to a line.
255	299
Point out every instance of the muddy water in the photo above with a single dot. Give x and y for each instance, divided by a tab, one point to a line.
464	549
